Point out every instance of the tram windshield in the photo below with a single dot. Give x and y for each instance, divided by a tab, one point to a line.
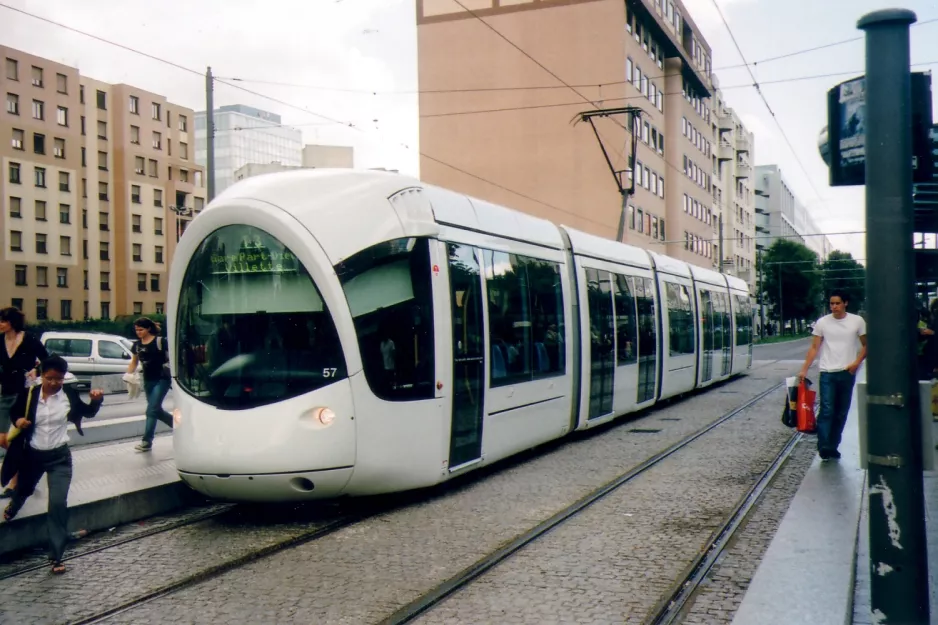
251	325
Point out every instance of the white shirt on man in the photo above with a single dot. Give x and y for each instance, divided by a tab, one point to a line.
841	340
51	422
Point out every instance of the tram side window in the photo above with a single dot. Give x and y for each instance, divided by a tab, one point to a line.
526	321
680	320
743	320
388	290
626	331
644	294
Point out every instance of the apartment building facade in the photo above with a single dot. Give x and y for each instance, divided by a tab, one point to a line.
734	195
779	213
99	182
495	125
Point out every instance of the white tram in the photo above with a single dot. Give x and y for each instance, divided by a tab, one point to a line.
348	333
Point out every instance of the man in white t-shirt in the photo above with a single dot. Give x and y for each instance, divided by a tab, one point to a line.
840	337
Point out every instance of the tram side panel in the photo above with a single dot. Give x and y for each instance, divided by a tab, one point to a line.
679	351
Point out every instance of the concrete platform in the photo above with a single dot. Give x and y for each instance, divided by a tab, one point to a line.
816	569
111	484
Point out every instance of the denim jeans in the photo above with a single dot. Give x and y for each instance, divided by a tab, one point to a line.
155	391
836	394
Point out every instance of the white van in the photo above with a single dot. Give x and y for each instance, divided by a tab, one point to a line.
90	353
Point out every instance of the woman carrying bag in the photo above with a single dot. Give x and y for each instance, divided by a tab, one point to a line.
39	445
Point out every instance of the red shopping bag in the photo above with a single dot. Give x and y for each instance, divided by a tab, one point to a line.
807	422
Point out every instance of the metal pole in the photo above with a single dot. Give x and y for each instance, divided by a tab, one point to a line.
621	230
781	306
899	580
759	262
210	133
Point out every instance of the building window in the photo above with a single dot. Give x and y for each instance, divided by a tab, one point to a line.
199	204
102	161
86	276
40	210
42	309
12	72
102	191
103	251
158	198
61	116
183	123
154	282
61	83
184	175
39	143
39	109
16	205
18	136
157	140
65	246
58	148
42	276
84	221
106	309
83	127
138	308
183	151
135	139
158	226
158	254
105	281
102	100
153	165
136	223
103	222
19	275
61	277
41	243
41	177
102	129
13	104
16	241
155	110
138	252
141	282
134	105
15	173
135	194
159	308
66	309
37	76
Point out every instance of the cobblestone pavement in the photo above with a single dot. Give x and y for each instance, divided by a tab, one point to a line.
721	593
364	572
112	577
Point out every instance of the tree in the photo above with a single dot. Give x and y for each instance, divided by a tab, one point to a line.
841	272
790	280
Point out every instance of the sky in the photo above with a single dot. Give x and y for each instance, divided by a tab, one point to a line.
355	62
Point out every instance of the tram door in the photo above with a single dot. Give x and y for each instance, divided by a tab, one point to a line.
602	342
468	355
706	311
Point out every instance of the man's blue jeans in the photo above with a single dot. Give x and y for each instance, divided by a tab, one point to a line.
836	394
155	391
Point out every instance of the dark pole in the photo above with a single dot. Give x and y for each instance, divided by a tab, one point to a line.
210	133
759	262
721	242
781	306
899	580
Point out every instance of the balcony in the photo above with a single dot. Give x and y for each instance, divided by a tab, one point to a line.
725	121
743	170
726	151
743	144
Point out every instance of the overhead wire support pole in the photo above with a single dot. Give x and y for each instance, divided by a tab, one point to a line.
210	133
899	582
634	112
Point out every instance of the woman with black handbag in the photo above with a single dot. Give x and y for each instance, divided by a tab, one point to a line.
151	352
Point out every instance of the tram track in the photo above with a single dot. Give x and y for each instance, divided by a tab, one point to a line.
462	579
216	511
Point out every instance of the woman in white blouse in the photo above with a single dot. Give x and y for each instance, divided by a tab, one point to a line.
43	413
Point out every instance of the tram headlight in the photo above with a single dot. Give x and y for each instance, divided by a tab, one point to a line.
177	417
324	415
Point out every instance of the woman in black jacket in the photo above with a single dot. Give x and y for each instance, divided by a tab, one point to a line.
22	352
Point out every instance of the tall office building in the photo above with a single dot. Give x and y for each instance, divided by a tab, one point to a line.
490	111
243	135
779	213
734	194
98	184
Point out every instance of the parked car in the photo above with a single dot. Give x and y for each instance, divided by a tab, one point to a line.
90	353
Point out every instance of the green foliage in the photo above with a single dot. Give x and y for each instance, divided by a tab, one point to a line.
794	267
122	326
840	271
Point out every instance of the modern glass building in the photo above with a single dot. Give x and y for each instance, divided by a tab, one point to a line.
244	134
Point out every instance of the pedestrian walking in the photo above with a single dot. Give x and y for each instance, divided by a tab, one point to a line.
42	414
19	360
840	339
151	351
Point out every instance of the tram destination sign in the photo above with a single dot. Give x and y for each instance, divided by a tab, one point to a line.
847	123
